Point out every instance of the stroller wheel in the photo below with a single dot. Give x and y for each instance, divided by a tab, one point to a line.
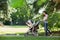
35	34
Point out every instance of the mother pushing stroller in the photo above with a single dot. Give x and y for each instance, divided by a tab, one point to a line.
33	27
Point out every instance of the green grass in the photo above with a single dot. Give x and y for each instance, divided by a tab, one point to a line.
29	38
18	3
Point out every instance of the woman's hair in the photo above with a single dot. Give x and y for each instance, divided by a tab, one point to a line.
45	12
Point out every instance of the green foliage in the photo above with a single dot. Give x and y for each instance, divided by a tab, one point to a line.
40	2
24	12
19	16
17	3
54	19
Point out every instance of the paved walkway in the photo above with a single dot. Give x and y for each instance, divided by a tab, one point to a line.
10	30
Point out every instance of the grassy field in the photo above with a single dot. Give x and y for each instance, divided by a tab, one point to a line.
28	38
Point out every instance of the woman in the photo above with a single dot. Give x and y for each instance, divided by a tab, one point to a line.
45	20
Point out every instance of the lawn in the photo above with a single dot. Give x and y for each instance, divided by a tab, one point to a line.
28	38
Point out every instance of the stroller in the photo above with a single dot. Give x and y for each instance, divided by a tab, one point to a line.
33	27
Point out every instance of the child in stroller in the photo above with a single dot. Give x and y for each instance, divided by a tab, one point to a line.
33	27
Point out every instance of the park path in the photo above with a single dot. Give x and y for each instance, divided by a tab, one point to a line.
15	31
10	30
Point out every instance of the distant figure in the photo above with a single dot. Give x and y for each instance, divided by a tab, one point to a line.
45	17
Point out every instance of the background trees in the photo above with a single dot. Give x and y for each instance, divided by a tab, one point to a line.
18	12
